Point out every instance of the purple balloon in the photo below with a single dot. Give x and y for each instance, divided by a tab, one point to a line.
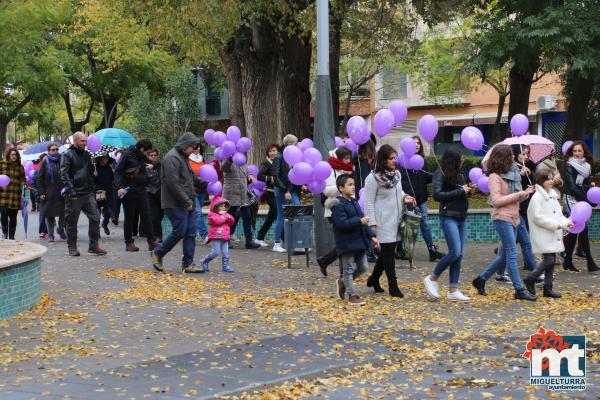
408	146
219	154
361	193
305	144
357	129
4	180
252	170
209	136
475	174
566	145
398	108
293	177
472	138
260	185
402	160
578	228
350	145
239	159
233	133
292	155
428	127
219	138
316	187
383	122
593	195
416	162
339	142
243	144
519	124
228	148
322	170
303	172
312	156
361	203
94	143
581	212
482	184
215	188
208	173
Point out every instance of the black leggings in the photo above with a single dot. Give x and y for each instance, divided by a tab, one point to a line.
584	242
546	267
8	219
386	262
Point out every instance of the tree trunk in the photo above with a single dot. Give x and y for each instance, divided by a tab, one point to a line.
520	79
76	126
579	92
109	107
497	136
233	73
3	128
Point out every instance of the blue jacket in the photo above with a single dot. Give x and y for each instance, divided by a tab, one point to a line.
350	234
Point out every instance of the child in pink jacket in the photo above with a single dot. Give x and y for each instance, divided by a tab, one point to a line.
219	222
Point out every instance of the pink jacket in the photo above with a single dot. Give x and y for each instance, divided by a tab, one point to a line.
219	224
506	206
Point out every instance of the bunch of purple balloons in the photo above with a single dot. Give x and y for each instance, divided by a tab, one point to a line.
208	173
581	212
230	144
308	167
408	158
258	187
383	122
477	177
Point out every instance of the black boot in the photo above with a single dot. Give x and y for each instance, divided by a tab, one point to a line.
568	265
400	253
434	254
530	284
524	295
549	293
479	284
592	267
371	282
5	232
395	290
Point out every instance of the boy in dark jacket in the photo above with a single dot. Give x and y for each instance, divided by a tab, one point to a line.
352	236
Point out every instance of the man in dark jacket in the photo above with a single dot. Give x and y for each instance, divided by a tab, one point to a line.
178	200
77	177
131	174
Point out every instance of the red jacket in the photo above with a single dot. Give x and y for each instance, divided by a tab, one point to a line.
219	224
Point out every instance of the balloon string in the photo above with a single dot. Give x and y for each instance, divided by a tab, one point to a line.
435	158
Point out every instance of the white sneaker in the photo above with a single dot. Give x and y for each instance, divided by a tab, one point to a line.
458	296
431	287
278	249
262	243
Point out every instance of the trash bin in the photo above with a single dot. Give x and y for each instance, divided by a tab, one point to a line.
298	230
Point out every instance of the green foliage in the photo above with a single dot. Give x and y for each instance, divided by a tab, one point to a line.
470	162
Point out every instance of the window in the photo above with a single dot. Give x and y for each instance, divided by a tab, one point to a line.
394	84
213	101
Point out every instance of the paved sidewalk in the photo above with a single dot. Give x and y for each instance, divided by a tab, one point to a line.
109	327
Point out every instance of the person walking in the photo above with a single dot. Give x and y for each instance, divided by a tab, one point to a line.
153	190
505	193
546	223
364	162
10	195
579	161
415	184
384	200
77	177
196	160
219	223
266	174
451	190
42	228
286	193
178	201
104	180
50	187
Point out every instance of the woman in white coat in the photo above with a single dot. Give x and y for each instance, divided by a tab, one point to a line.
546	223
384	198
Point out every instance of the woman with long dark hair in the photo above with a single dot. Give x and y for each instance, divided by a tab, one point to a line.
506	193
384	200
49	187
364	162
10	195
266	175
578	168
451	190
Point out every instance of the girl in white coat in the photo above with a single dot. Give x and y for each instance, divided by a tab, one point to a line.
546	223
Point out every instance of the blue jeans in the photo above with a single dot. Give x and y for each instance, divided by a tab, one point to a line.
455	232
526	251
425	231
221	247
184	227
281	201
507	254
201	225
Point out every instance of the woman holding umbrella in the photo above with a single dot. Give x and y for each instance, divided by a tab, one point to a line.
10	195
49	187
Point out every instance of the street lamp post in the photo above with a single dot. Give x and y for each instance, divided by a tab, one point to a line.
324	127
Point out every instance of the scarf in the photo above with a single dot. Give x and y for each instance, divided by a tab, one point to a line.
387	179
513	178
53	162
197	158
339	164
582	167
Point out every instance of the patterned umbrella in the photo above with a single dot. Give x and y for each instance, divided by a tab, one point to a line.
539	147
104	150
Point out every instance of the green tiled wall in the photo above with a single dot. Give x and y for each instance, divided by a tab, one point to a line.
480	227
19	288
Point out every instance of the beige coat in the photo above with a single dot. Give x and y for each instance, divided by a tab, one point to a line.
545	217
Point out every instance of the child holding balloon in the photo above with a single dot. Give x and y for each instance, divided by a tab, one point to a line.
546	223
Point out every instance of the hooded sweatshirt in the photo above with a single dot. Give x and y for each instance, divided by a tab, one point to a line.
219	224
176	177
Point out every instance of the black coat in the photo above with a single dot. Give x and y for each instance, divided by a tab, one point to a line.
132	160
362	169
104	179
49	185
417	187
350	234
77	172
281	170
266	174
453	199
571	187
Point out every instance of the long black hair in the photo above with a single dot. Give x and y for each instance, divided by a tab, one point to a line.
450	166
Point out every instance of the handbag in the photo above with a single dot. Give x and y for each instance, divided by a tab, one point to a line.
100	195
252	198
409	228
